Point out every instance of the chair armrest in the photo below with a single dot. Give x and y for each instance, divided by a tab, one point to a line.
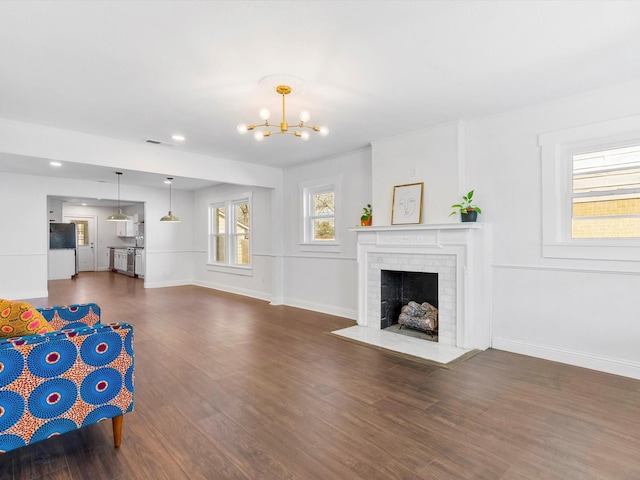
71	316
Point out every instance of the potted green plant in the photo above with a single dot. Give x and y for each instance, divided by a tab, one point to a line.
468	211
365	219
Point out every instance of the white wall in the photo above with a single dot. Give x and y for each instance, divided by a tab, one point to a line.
579	312
168	246
24	243
24	246
258	283
582	312
325	282
431	156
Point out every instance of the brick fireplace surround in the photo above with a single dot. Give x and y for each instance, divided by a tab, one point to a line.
459	254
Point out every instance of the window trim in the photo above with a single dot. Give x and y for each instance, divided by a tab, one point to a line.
211	251
557	150
307	189
229	235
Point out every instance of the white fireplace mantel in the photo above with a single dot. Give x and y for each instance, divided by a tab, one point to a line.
458	252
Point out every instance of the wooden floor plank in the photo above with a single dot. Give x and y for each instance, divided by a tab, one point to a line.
232	387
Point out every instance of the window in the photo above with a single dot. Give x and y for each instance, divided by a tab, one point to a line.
320	215
82	232
218	244
591	191
606	194
230	233
240	233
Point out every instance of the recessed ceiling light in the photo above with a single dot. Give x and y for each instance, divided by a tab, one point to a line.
178	138
167	181
55	164
84	204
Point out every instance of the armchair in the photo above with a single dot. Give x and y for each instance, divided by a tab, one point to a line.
59	381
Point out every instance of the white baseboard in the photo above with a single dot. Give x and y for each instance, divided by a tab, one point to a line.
316	307
322	308
238	291
616	366
175	283
27	295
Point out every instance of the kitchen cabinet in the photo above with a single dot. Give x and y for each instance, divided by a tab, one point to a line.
125	260
62	263
140	262
120	259
125	229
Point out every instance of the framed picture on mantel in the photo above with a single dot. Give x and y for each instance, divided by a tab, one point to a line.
407	204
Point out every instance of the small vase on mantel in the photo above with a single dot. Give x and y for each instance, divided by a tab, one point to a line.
468	211
469	216
365	219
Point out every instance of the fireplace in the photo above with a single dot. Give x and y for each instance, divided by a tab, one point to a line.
455	255
398	288
440	265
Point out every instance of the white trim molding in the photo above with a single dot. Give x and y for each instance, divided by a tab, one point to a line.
594	362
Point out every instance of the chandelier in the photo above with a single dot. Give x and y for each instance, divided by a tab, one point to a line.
298	130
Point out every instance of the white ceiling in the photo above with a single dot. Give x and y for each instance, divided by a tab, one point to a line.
371	69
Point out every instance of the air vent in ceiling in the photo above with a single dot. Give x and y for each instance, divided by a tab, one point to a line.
158	142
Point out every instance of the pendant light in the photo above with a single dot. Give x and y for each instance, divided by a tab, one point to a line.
118	217
170	217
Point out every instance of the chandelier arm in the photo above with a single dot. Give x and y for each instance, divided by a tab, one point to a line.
253	127
279	132
310	127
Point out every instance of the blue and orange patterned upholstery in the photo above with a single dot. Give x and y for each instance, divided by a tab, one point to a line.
67	379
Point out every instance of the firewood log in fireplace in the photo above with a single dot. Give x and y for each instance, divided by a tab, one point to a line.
419	316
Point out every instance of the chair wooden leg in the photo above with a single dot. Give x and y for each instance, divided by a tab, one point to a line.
117	430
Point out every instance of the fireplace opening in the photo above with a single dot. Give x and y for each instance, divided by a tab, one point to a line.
397	290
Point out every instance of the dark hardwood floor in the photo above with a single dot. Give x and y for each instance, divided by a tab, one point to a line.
231	387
